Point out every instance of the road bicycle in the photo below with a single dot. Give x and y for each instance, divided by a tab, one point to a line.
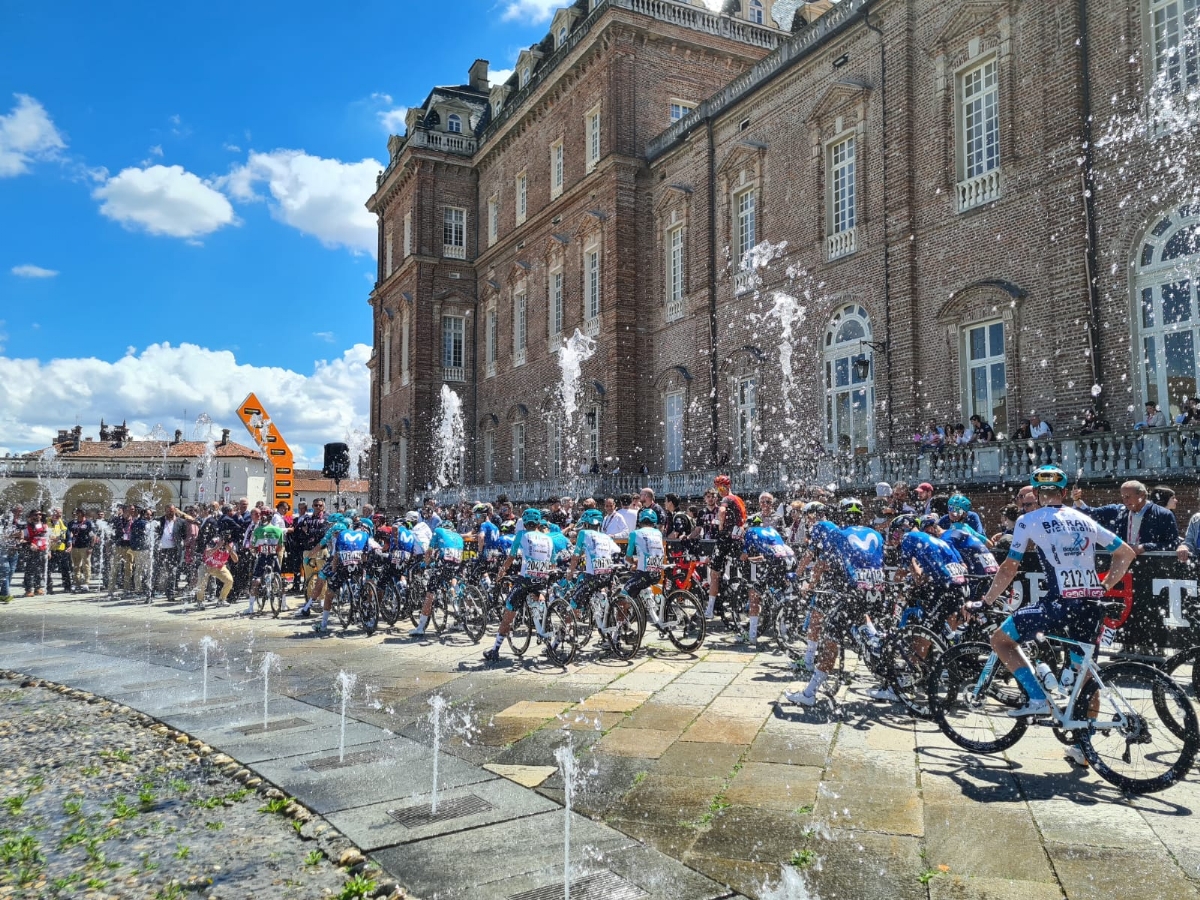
612	614
678	616
356	598
456	598
270	588
1134	724
551	620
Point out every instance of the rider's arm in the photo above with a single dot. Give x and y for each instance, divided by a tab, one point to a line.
1003	578
1123	556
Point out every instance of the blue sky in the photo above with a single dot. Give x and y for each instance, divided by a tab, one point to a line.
181	201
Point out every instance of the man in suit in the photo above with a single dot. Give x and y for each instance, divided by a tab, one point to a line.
1142	524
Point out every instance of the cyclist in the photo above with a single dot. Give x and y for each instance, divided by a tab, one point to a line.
647	550
347	545
816	555
267	540
976	555
420	529
535	550
766	546
1068	541
562	546
597	551
727	528
487	533
959	512
444	556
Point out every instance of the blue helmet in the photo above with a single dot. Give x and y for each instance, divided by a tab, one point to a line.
592	517
648	516
1049	477
532	516
959	503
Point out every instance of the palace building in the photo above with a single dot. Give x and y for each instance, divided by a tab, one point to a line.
799	235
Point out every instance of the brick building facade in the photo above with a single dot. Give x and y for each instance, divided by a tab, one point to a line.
792	245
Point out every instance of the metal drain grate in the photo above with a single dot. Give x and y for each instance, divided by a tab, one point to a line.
277	725
601	886
452	808
362	757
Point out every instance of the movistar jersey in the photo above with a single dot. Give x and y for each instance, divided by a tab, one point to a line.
821	539
765	541
1068	540
349	545
859	551
975	554
937	559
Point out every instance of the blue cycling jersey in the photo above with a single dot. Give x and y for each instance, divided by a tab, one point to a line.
445	539
859	550
404	541
491	536
765	541
974	552
820	538
351	540
939	561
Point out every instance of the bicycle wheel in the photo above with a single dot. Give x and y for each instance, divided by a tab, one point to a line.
909	654
368	608
261	598
416	596
731	603
1184	667
471	612
439	613
522	632
971	714
1142	754
585	621
684	620
343	605
273	586
389	602
624	627
791	636
561	643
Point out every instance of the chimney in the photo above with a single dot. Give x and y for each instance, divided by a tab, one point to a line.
224	436
63	436
104	434
178	436
478	73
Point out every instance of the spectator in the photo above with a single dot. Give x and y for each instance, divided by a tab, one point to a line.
981	431
960	437
707	519
557	516
679	526
924	502
1093	423
1008	522
1155	418
1023	432
1039	430
80	539
628	507
614	524
172	532
1136	520
10	548
60	556
35	544
141	542
899	504
1161	495
122	525
771	514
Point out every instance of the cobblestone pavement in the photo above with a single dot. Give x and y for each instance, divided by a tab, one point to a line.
692	755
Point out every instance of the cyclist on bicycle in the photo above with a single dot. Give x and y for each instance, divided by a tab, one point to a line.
976	555
268	541
816	554
728	530
597	551
444	557
1072	603
765	546
535	551
937	570
959	513
348	545
420	529
647	550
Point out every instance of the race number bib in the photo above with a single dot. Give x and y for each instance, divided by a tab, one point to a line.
869	579
452	554
350	557
956	572
537	568
654	563
987	563
1078	584
399	556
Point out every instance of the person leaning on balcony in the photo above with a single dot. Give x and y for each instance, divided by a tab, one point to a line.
981	431
1155	418
1039	430
1094	422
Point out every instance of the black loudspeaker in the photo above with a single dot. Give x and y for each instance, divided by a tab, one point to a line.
337	461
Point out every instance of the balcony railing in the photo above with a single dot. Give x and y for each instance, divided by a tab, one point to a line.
454	373
454	251
449	142
979	190
743	281
518	357
1161	454
591	327
843	243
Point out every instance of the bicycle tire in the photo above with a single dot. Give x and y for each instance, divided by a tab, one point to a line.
585	621
1184	667
976	722
261	598
522	632
1132	689
730	602
790	634
368	608
472	613
389	603
684	618
561	642
343	605
624	627
909	654
275	594
439	613
416	597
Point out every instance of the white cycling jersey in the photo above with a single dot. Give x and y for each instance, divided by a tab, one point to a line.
648	549
1068	540
537	551
598	552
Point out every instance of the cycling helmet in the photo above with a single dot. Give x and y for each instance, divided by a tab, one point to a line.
851	506
722	481
648	516
412	517
1049	477
508	526
959	503
929	520
814	508
532	516
480	509
755	521
591	518
904	522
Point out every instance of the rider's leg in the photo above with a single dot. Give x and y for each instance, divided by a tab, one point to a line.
755	608
326	603
815	620
255	587
714	588
1005	644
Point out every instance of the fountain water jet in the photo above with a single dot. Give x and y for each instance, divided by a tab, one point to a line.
437	706
205	643
269	661
569	766
345	686
449	437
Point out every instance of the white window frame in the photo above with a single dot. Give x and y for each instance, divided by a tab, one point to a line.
493	208
554	446
454	123
994	396
745	419
1173	46
518	451
489	456
555	282
454	347
454	232
408	235
592	136
520	326
674	270
674	419
522	204
386	361
557	168
562	35
745	235
524	76
491	340
755	12
405	373
388	245
680	108
841	349
977	102
841	193
591	433
592	288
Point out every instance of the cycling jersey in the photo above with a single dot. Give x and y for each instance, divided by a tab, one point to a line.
859	549
972	520
404	545
765	541
422	534
267	538
821	539
646	546
349	546
975	554
536	551
598	551
735	517
448	544
558	540
938	560
1068	540
491	538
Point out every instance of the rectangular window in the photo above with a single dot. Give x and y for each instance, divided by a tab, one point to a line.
673	422
591	427
746	229
554	446
387	360
452	342
493	219
746	418
522	197
387	250
841	186
404	375
1174	45
556	168
518	451
408	235
519	328
489	456
986	375
591	286
592	123
454	232
680	108
980	120
674	271
490	338
555	303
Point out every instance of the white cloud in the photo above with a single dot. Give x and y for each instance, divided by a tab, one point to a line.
31	271
154	386
27	134
164	200
531	11
499	76
156	150
318	196
392	120
326	336
232	148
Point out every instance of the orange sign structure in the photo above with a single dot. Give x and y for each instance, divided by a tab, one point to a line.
271	442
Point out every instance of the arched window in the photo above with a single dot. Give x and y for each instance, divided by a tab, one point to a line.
756	12
454	123
562	35
1168	317
849	381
